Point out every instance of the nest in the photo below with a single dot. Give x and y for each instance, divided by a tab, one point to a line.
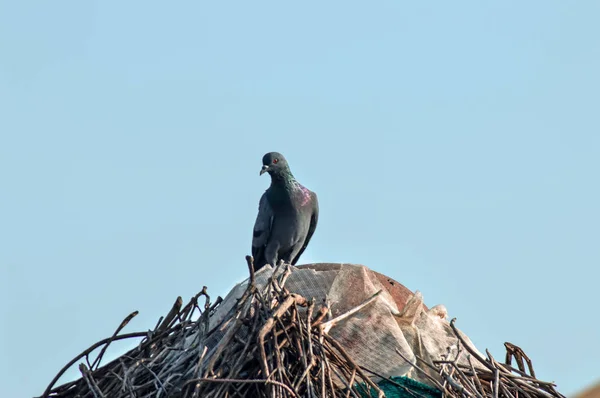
275	343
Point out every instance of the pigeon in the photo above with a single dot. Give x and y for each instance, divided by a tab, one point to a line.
287	216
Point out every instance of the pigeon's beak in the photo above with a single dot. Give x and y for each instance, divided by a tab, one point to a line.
264	169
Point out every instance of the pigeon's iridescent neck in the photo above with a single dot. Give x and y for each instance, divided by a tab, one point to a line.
292	189
305	194
298	191
284	177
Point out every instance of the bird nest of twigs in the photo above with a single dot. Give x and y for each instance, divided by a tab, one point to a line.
273	343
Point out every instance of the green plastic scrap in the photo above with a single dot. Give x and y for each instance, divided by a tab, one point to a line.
403	387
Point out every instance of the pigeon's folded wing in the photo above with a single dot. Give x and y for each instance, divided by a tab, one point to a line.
262	228
314	219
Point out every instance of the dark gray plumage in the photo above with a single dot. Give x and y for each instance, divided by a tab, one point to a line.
287	216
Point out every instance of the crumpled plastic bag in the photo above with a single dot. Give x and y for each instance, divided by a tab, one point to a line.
378	337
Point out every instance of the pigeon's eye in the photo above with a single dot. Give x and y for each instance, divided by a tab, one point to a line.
275	161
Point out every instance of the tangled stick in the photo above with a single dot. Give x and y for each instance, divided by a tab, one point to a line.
273	343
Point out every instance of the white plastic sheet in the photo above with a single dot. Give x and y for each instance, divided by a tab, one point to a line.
375	334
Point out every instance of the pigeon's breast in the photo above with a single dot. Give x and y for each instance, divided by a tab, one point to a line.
290	227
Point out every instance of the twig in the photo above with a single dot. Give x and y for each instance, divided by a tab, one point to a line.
250	262
176	309
326	326
242	381
414	365
90	381
121	326
84	353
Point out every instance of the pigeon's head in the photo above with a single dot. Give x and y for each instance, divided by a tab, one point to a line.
274	163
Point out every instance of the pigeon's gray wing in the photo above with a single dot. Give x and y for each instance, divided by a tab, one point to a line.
313	225
262	231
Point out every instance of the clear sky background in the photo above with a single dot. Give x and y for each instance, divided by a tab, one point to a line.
454	146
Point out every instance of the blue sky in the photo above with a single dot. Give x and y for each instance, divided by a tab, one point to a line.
454	146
